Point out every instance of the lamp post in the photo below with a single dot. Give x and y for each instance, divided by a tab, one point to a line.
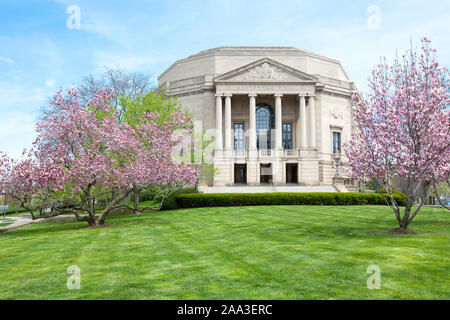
337	159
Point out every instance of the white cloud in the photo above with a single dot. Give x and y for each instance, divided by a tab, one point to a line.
124	60
14	96
19	107
16	133
8	60
50	83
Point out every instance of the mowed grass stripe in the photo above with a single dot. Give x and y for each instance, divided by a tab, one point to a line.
260	252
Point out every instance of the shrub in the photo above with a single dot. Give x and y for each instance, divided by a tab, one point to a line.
171	201
193	200
151	193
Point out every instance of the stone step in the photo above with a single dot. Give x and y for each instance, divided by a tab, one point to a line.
262	189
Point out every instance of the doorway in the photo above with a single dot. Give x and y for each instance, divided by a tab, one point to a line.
291	172
240	173
265	173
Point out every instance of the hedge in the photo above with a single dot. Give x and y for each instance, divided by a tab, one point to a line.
281	198
172	202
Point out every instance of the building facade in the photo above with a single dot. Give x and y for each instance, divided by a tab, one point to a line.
278	114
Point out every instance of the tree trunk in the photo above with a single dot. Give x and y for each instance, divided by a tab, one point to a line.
404	226
404	222
95	221
136	201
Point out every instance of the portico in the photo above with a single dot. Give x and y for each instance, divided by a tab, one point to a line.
305	123
271	148
265	147
277	113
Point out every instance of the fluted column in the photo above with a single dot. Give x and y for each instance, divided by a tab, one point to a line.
278	121
228	121
302	107
252	121
312	121
219	140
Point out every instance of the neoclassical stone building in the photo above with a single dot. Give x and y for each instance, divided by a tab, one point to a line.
278	113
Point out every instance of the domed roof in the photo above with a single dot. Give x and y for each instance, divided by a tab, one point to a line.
220	60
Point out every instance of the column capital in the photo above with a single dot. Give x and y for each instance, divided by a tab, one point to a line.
252	94
228	94
302	95
278	95
219	94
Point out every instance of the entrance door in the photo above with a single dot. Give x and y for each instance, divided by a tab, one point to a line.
291	172
266	173
240	173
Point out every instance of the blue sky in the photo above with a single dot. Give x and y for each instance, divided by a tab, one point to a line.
39	53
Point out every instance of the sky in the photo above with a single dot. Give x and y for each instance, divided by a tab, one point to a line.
45	45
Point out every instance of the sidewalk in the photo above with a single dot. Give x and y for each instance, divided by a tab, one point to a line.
18	222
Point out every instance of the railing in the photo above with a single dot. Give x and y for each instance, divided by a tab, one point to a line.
265	152
290	152
241	153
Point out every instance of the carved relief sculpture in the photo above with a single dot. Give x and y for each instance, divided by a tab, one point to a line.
265	72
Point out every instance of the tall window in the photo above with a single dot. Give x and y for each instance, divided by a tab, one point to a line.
336	142
287	136
238	136
265	122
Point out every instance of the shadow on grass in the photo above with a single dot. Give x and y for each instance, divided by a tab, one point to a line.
121	220
364	226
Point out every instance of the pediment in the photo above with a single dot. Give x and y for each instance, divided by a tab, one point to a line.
265	70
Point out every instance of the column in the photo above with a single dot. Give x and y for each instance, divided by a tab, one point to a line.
228	121
312	121
278	121
219	141
252	121
277	163
252	164
302	106
297	129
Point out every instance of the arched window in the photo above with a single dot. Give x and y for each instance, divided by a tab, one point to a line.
265	122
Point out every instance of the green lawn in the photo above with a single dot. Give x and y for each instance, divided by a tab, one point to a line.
272	252
5	222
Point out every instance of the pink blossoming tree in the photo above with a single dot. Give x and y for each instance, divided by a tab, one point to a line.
402	128
87	156
30	183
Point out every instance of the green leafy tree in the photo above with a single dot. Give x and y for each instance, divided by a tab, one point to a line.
200	155
155	101
134	107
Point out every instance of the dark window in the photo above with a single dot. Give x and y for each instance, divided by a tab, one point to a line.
265	122
238	136
266	173
240	173
336	142
287	135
